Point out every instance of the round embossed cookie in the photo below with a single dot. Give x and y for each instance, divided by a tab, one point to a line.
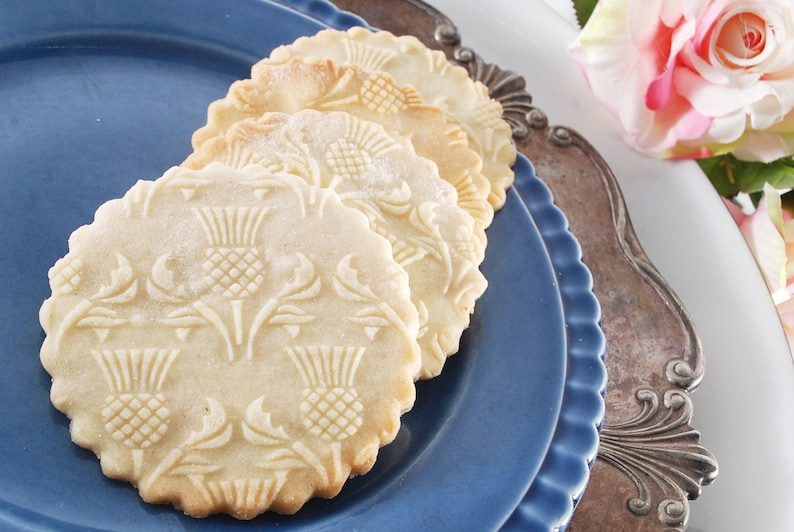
231	340
374	96
440	83
399	191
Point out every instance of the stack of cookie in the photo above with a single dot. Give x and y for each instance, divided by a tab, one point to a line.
244	332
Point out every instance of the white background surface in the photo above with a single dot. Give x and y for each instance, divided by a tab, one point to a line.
745	407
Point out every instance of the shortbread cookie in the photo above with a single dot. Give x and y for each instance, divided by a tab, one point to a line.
231	340
373	96
399	191
440	83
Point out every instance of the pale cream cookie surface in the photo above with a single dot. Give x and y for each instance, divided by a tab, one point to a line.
231	340
375	96
466	102
400	192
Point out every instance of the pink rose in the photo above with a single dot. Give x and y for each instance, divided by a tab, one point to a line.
769	231
695	78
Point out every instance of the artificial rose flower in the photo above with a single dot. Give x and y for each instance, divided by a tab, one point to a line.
695	78
769	232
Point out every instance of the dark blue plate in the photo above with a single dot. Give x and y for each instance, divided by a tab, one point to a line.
95	95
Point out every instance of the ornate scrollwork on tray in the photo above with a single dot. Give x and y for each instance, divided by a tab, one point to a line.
658	448
655	455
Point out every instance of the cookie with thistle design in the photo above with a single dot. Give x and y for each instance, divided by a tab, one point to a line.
466	102
399	191
231	340
370	95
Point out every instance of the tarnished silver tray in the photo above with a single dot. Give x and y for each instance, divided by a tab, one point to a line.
650	461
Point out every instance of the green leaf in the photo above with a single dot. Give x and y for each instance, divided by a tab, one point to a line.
584	8
730	175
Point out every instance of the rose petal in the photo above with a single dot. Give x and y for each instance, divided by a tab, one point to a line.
670	38
768	101
660	91
764	237
642	18
680	122
726	129
765	146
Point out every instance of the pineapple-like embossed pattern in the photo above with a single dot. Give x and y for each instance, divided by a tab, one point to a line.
331	413
348	160
237	272
65	275
138	420
382	95
232	260
329	406
488	114
135	413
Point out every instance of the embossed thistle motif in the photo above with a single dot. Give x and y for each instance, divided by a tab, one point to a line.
660	453
234	269
66	275
233	264
348	160
378	93
247	495
277	310
330	407
382	96
232	260
351	156
135	411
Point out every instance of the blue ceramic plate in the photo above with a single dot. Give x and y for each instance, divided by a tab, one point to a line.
95	95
